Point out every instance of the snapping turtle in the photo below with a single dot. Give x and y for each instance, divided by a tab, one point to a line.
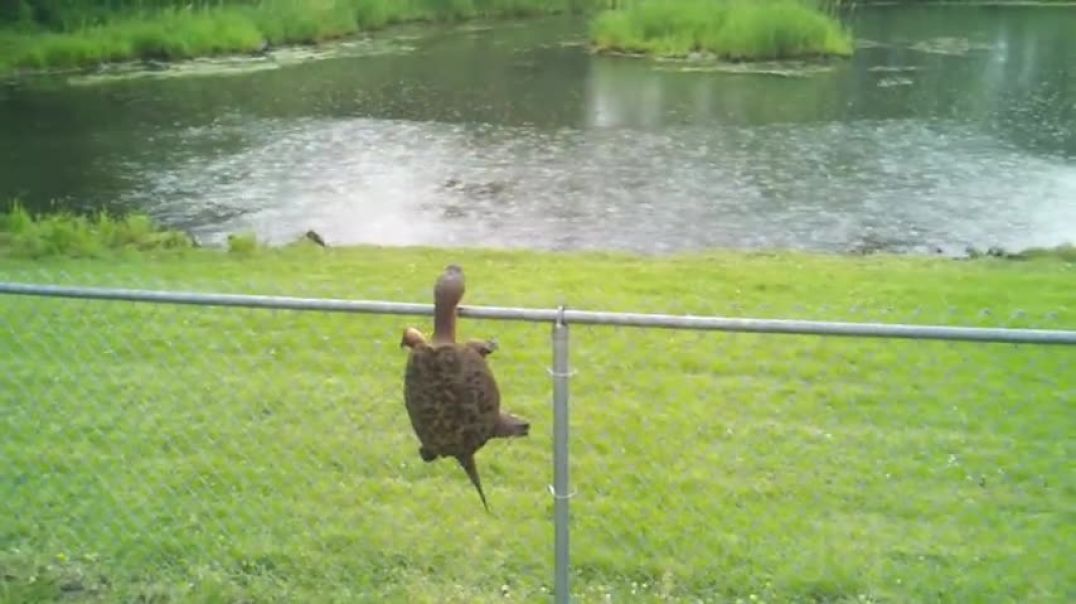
450	392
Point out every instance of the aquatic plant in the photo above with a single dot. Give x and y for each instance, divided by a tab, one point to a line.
243	243
68	234
729	29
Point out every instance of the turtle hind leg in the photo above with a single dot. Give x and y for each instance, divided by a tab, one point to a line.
426	454
508	426
467	462
483	347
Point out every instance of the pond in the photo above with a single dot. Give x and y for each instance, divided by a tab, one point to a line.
950	127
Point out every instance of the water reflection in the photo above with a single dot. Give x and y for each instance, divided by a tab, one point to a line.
401	182
950	127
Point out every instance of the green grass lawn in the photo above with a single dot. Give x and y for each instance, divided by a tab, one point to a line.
170	453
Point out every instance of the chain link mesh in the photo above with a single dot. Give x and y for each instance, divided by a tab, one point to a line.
182	453
744	467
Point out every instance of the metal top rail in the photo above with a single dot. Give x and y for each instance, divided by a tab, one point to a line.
780	326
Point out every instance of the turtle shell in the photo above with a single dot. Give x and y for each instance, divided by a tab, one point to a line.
452	399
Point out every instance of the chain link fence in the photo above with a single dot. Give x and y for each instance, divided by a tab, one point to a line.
160	447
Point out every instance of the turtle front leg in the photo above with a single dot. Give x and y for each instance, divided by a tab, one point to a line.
412	338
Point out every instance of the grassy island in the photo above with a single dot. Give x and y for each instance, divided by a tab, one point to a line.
727	29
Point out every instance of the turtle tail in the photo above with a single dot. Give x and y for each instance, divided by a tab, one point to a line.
467	461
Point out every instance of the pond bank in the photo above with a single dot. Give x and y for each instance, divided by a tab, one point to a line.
221	29
24	235
733	29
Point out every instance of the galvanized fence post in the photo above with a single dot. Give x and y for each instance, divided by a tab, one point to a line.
561	373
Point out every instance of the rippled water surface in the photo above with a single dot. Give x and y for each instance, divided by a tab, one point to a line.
950	127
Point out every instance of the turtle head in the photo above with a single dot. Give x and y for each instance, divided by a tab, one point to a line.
447	293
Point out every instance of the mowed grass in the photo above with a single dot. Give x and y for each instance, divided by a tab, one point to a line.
201	29
176	453
728	29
